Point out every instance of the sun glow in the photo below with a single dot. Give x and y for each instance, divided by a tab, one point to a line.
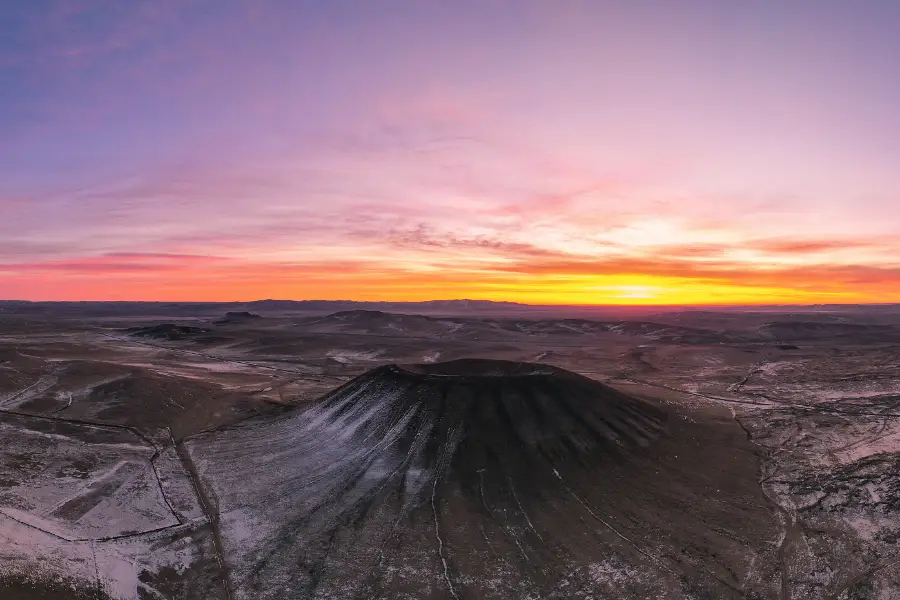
505	168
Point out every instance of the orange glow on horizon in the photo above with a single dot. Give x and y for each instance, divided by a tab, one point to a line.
213	282
472	154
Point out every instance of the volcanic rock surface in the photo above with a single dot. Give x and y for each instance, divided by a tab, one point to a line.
489	479
237	316
168	331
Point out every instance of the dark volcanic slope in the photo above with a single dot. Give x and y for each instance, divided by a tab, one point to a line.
489	479
169	331
515	418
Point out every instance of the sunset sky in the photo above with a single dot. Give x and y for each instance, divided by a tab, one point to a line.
583	152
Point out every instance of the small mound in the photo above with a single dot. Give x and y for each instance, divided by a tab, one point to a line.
167	331
240	316
359	313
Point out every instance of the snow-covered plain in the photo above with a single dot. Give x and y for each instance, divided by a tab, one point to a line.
86	505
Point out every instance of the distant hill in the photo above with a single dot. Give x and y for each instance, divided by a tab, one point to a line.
237	316
167	331
441	308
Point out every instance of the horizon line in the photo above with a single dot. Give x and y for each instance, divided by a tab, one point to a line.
437	300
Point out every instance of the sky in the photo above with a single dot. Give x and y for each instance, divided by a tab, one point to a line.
555	152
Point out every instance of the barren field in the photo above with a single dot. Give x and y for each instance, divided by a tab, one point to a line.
303	450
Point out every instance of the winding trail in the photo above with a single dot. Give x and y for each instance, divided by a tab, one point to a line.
769	401
787	521
211	513
43	383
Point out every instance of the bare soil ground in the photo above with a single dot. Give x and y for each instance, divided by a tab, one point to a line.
794	413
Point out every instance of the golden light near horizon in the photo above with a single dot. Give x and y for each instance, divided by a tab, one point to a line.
574	152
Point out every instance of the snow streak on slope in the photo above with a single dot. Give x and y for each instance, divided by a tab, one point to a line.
464	479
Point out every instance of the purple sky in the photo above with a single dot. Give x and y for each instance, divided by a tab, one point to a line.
537	151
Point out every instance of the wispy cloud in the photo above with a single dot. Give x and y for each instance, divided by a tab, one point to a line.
193	152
